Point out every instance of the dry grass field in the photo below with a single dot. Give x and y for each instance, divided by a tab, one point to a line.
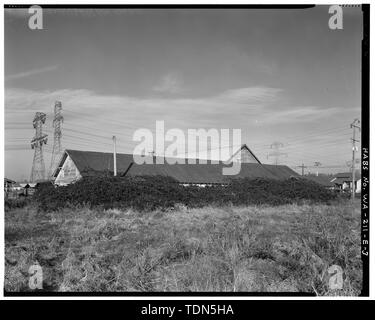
229	249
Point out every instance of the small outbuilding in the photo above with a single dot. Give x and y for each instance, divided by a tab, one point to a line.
343	181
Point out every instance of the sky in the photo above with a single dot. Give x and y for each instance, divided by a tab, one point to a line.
278	75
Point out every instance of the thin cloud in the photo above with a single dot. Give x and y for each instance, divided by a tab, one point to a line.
170	83
232	108
29	73
251	94
299	114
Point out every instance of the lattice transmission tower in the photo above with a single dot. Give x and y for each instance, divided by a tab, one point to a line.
276	153
57	147
38	168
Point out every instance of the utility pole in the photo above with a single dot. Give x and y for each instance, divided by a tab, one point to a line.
38	168
317	164
114	157
354	125
57	148
303	168
153	155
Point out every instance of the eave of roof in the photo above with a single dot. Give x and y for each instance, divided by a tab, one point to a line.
212	173
91	162
348	175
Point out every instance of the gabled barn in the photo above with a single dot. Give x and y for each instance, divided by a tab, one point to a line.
76	164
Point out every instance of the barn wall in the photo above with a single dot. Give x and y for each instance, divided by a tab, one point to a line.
68	173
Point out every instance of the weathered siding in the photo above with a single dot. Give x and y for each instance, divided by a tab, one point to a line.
68	173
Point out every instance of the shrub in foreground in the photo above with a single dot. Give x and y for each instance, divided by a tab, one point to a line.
15	203
146	193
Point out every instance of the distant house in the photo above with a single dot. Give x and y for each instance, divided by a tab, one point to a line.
11	188
343	181
8	185
17	187
76	164
28	188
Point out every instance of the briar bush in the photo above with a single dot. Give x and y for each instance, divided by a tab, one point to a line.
145	193
16	203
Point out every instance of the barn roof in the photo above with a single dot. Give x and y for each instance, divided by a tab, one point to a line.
344	175
322	179
92	162
232	156
210	173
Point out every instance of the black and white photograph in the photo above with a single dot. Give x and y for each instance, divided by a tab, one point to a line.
186	150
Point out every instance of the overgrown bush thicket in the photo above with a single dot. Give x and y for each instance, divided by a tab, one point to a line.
15	203
156	192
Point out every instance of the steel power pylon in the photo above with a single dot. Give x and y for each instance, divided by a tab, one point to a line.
57	147
38	168
276	146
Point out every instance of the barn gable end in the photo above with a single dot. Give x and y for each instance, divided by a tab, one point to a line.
245	155
76	164
68	172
